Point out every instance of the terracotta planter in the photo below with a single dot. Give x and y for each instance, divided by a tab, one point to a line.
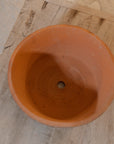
62	76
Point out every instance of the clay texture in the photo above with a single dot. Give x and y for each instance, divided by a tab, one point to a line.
62	76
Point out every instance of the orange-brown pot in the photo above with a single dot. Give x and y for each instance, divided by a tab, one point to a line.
62	76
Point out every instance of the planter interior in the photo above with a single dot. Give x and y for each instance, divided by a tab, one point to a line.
62	76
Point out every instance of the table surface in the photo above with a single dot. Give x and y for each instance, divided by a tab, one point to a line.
9	10
15	126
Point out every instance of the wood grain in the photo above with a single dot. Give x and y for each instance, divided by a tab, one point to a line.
100	8
15	126
9	10
100	5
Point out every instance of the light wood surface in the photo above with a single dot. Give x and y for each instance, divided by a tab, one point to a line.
104	6
9	10
15	126
101	8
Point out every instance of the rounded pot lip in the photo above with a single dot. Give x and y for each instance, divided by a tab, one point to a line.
55	123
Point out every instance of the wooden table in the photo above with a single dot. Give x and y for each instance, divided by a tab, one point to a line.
15	126
9	10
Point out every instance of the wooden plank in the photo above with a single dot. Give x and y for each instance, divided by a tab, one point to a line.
101	5
15	125
9	11
100	8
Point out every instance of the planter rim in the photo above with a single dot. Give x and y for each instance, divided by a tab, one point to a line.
55	123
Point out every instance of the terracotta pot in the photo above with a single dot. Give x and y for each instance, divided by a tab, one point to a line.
62	76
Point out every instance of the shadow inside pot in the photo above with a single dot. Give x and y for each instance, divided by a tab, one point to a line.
60	87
